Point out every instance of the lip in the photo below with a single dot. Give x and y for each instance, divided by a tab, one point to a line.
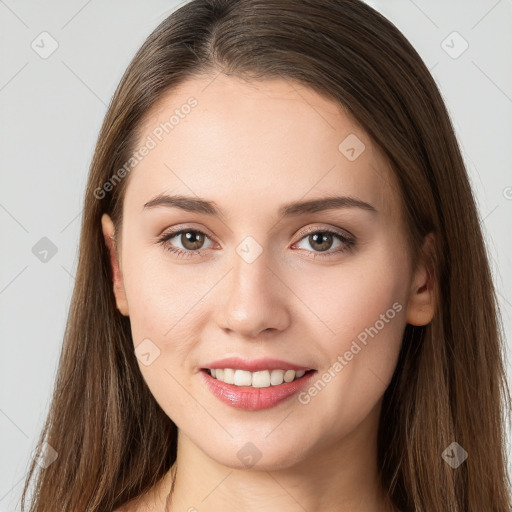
256	365
254	399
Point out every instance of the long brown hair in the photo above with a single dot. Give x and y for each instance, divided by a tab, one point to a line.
113	440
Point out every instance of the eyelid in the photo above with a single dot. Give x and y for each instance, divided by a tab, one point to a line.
175	230
341	232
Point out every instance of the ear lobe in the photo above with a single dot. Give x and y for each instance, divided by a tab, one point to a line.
118	284
421	304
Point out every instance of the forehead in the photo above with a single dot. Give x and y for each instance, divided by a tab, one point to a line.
253	145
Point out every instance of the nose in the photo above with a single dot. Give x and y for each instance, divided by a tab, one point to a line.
257	299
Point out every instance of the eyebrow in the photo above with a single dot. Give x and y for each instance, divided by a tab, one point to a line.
292	209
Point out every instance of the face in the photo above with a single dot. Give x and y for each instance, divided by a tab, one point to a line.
324	289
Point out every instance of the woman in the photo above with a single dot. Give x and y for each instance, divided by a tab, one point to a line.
283	298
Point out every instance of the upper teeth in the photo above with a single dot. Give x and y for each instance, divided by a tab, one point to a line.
262	379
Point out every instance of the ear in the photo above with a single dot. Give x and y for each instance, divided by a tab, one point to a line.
119	292
421	304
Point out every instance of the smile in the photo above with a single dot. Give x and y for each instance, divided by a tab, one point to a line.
254	391
260	379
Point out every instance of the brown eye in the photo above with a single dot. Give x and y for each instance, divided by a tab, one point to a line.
322	240
192	240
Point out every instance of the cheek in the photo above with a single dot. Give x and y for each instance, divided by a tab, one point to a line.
358	293
364	308
361	308
361	301
158	293
163	324
165	307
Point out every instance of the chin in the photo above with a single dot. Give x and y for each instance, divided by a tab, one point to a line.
250	457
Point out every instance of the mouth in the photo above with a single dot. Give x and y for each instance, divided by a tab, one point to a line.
259	379
254	391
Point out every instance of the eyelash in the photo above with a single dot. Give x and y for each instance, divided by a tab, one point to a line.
348	243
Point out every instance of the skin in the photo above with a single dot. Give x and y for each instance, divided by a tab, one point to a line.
250	147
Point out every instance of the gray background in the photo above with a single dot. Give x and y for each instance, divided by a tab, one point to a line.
51	112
